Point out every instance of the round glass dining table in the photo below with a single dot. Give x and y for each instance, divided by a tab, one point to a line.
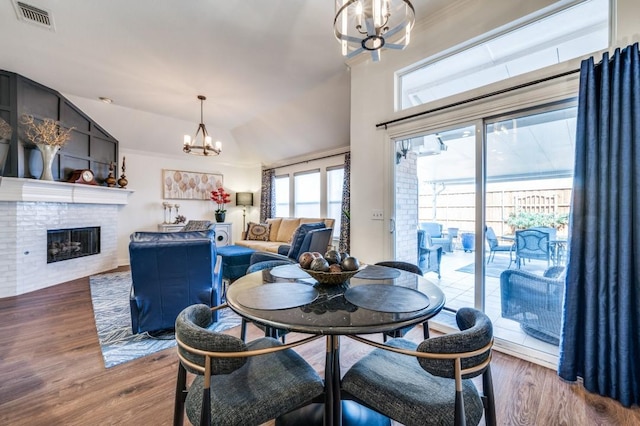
376	300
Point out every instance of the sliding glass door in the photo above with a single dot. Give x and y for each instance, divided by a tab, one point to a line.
471	193
529	172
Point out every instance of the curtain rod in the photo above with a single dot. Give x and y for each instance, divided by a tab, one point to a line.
477	98
306	161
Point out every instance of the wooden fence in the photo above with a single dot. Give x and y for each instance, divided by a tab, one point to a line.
457	209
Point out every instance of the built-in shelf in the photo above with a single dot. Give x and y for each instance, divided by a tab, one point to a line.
19	189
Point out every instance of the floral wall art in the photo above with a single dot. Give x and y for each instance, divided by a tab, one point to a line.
181	185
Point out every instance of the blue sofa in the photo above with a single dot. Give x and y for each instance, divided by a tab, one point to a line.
170	271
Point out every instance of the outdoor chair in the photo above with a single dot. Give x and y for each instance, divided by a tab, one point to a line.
495	246
437	236
429	255
429	383
262	381
532	244
534	301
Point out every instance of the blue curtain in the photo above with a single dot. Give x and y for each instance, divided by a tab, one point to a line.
601	325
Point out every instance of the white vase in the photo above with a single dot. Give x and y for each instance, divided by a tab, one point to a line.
48	154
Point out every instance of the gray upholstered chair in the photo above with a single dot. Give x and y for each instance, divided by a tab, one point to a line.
409	267
429	383
276	333
263	380
534	301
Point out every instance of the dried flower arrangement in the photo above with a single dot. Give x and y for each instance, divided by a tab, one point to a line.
48	132
5	130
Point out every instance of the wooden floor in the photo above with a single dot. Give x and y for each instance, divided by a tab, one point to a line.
52	373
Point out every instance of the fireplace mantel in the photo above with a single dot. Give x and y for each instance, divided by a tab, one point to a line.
19	189
30	207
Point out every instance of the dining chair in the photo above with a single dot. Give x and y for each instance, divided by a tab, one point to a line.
532	244
495	246
276	333
237	383
429	383
409	267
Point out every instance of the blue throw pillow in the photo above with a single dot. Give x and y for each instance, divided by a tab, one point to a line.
298	237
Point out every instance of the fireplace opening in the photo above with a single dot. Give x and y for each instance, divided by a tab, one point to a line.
65	244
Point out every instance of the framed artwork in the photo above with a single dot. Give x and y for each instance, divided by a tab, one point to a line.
181	185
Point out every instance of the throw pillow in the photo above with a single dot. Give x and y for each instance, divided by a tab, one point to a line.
258	231
196	225
298	238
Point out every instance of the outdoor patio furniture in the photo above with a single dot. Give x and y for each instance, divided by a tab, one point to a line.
437	237
532	244
495	246
535	301
468	241
429	255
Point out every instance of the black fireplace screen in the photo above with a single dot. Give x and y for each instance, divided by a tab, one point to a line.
64	244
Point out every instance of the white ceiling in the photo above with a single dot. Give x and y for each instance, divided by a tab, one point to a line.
249	57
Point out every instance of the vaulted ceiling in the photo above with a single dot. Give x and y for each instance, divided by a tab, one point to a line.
256	61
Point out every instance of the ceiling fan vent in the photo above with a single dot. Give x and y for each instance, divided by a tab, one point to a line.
34	15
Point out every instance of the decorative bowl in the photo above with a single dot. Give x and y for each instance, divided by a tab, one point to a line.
331	278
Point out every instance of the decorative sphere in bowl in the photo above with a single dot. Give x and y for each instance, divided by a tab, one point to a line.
331	278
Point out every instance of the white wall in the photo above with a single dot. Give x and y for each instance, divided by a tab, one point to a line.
372	102
139	134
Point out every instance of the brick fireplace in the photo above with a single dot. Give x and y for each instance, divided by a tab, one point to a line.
29	208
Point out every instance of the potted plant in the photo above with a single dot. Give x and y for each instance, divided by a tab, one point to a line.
220	197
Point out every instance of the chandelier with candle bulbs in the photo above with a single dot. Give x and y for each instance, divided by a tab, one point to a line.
369	25
204	145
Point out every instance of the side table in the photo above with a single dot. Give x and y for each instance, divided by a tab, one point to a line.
170	227
224	237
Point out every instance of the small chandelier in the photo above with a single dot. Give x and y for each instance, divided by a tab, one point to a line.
370	25
205	146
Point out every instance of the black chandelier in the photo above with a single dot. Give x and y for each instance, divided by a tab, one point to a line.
205	145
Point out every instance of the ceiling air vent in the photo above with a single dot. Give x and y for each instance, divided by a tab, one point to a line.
34	15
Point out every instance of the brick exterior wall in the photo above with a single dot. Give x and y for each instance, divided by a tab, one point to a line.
407	209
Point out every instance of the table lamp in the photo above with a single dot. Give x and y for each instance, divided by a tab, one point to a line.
244	199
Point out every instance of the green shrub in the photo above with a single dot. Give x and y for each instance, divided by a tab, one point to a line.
524	220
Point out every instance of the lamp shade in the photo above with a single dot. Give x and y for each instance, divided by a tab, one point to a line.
244	198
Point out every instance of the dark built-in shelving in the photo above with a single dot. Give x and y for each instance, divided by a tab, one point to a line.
90	146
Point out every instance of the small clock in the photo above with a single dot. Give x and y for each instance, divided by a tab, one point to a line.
85	176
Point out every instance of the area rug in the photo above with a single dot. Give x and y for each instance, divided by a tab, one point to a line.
110	297
499	264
